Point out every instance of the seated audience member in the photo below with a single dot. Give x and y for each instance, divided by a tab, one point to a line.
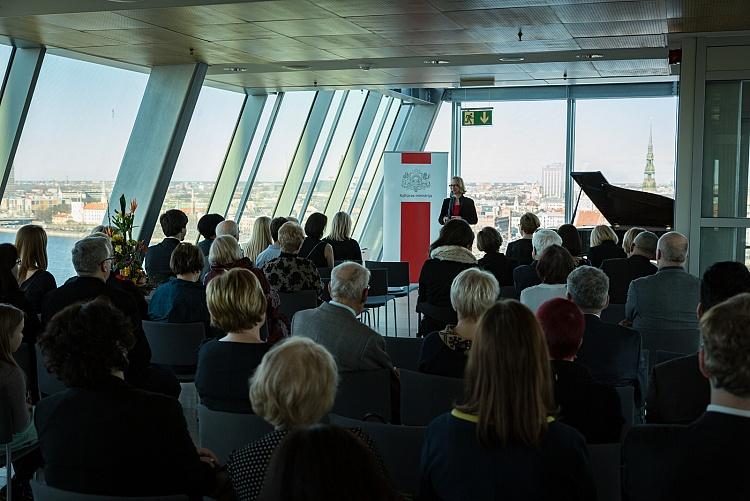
589	407
668	299
226	255
628	239
526	275
10	293
450	254
623	271
33	278
260	239
713	450
445	352
520	250
292	219
611	353
489	241
228	227
174	226
603	245
101	435
325	462
293	387
207	228
313	248
182	299
571	241
238	307
500	442
354	345
678	392
555	264
291	272
345	248
272	250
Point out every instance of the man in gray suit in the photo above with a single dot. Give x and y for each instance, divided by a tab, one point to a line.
334	325
668	299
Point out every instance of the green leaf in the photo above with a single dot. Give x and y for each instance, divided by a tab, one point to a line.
122	203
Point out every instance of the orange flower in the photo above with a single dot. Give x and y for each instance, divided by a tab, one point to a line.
133	205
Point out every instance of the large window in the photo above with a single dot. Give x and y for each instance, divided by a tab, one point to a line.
72	144
440	135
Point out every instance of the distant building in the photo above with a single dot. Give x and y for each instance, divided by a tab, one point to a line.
649	179
553	180
94	213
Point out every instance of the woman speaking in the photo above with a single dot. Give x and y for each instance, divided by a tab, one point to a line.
457	206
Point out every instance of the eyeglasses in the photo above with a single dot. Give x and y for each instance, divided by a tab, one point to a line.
107	259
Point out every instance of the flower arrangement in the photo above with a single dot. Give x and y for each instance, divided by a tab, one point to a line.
128	253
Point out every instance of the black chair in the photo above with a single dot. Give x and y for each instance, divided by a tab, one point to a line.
223	432
325	279
399	283
613	314
627	405
606	465
175	346
404	352
378	295
292	302
426	396
43	492
399	446
48	382
508	292
685	341
648	454
363	394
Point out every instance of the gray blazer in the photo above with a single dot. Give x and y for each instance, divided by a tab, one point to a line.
666	300
354	345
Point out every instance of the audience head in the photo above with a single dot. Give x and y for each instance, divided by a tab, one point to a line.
489	240
8	269
507	382
629	239
260	239
291	237
644	245
92	257
563	325
292	219
228	227
672	250
186	262
571	239
207	225
11	332
324	462
725	354
276	223
341	227
588	287
316	225
454	232
543	239
601	234
720	282
174	223
236	301
224	251
102	230
31	242
457	186
555	264
349	284
529	223
473	291
86	343
295	383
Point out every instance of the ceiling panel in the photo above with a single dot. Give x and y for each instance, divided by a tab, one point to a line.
490	18
449	5
280	49
626	42
442	71
313	27
617	28
529	46
740	21
181	16
275	10
705	8
575	69
349	8
88	21
415	22
430	37
611	11
347	41
374	52
233	31
510	34
76	39
143	35
451	49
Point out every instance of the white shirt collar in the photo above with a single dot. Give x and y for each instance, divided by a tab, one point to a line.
723	409
340	305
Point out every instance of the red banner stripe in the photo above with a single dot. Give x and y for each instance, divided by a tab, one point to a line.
415	236
416	158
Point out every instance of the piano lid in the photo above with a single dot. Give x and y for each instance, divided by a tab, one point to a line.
624	207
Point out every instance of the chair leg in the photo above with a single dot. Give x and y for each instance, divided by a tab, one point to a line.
408	310
386	319
395	317
8	473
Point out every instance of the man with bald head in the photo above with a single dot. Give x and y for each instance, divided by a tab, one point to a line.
668	299
228	227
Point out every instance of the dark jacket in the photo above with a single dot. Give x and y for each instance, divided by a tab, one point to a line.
444	353
468	210
664	301
180	302
623	271
520	250
499	265
118	440
606	250
678	392
345	250
36	287
525	276
612	354
31	326
156	263
591	408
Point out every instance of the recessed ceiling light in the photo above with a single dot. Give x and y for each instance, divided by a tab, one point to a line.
590	56
235	69
511	59
436	61
297	67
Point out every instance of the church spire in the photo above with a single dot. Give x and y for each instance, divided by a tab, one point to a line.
649	181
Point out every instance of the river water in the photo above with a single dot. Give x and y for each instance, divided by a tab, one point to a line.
58	254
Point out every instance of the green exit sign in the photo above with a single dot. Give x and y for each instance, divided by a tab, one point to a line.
481	116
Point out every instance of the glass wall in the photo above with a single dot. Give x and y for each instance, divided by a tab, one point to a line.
440	135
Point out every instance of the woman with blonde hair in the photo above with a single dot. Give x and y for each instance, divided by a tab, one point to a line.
344	247
603	245
629	239
33	278
501	441
260	238
458	206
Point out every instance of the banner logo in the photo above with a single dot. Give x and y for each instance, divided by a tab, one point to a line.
415	180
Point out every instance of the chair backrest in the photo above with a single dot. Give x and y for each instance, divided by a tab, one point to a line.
6	424
325	273
648	454
606	463
685	341
223	432
399	446
292	302
404	351
364	392
613	314
627	405
378	282
398	271
508	292
426	396
666	356
43	492
48	383
174	344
